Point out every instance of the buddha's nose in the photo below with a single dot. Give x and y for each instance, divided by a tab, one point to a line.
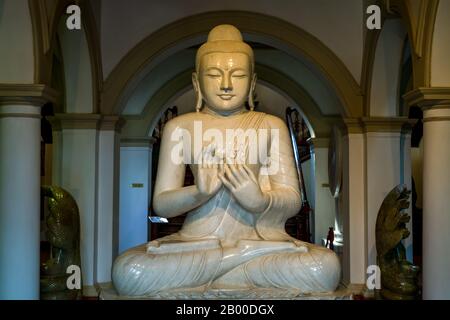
226	84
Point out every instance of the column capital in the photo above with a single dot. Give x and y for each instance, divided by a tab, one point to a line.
75	121
112	123
27	94
86	121
377	124
388	124
352	125
427	98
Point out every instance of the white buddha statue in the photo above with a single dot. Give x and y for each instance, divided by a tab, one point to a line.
234	237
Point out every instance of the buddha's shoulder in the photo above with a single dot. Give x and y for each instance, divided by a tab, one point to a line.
188	119
183	120
272	120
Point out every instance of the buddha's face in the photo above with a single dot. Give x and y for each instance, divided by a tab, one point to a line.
225	80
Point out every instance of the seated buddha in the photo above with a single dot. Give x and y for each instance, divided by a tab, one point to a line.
233	238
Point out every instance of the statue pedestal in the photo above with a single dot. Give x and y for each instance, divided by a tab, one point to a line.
107	292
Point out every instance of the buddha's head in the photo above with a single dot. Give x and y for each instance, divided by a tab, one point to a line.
224	77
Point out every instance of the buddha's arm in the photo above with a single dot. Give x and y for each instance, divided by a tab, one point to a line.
172	203
285	198
170	198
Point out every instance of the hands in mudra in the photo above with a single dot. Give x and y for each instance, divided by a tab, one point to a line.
209	167
238	178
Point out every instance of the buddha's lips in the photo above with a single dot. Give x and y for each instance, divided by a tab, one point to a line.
226	96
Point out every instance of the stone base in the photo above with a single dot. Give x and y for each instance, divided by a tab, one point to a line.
107	292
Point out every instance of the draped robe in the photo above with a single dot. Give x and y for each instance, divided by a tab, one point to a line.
223	246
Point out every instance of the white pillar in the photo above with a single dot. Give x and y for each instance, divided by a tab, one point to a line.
20	123
19	201
79	176
436	203
108	198
435	103
353	205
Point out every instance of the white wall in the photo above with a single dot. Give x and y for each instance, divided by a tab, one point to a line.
16	39
134	202
338	25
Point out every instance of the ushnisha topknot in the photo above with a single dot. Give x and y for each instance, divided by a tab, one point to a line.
224	38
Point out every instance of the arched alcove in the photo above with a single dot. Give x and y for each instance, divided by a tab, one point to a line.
193	30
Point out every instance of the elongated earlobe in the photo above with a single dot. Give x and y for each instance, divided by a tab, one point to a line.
198	93
251	104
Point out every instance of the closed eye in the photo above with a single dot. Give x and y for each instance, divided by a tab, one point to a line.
213	75
239	75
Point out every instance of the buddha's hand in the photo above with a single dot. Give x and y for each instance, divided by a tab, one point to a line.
244	186
208	181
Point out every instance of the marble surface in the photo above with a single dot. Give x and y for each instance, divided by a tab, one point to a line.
343	292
